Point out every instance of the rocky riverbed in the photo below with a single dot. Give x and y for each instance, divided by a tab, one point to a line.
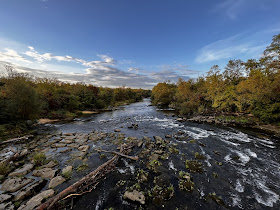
181	164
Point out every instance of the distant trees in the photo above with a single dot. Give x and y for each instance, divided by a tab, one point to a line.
23	97
244	87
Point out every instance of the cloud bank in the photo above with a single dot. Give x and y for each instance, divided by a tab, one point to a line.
100	72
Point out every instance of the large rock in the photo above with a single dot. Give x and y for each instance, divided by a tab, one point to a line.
44	173
67	170
30	190
84	148
135	196
56	181
15	184
37	200
22	171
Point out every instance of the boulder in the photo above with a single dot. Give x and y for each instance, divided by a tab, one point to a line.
117	130
37	200
135	196
168	136
56	181
44	173
15	184
22	171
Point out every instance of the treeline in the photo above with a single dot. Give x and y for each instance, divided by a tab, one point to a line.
251	87
24	97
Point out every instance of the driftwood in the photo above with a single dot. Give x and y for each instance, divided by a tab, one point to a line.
16	139
120	154
87	183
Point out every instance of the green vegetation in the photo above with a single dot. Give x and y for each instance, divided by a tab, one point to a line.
67	174
4	168
186	182
39	159
24	98
251	87
82	167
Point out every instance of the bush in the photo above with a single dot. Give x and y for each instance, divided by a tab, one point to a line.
39	159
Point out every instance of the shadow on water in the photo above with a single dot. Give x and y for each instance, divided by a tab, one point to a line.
240	167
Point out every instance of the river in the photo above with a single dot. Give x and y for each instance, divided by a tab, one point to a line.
241	166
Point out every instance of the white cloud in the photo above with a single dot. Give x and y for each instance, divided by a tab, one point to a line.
229	48
12	56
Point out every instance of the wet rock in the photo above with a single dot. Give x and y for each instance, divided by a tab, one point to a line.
154	157
56	181
135	196
117	130
81	141
65	150
180	119
50	164
15	184
217	153
37	200
140	143
168	136
22	171
58	145
134	126
44	173
66	141
23	152
79	155
6	206
158	152
30	190
84	148
67	170
4	197
73	145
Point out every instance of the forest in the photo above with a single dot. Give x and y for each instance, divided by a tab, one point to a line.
249	88
24	99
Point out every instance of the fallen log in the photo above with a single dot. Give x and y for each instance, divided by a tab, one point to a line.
16	139
87	183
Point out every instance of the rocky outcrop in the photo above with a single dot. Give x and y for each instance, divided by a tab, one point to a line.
15	184
22	171
37	200
56	181
44	173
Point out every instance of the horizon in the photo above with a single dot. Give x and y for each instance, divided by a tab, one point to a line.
137	44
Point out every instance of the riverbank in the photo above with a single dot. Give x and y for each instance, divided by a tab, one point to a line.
235	121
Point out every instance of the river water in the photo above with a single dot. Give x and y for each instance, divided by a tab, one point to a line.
248	176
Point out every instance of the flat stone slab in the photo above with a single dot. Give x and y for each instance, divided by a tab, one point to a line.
22	171
37	200
4	197
58	180
79	154
15	184
65	150
50	164
30	190
58	145
84	148
66	141
73	145
7	206
44	173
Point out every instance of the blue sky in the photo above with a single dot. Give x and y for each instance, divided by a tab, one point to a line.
136	43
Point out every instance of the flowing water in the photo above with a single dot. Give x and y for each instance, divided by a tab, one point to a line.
248	173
